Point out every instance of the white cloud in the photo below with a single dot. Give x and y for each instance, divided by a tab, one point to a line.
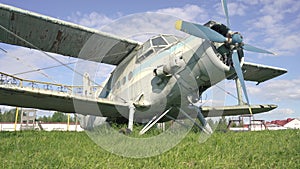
141	26
19	60
252	2
275	91
275	26
278	90
91	20
234	9
188	12
277	114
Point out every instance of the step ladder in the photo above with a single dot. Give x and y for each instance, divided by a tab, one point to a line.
28	119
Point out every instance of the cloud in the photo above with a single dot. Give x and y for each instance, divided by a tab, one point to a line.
188	12
29	64
18	60
278	114
252	2
278	90
234	9
276	25
91	20
141	26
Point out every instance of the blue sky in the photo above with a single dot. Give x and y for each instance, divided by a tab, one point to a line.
269	24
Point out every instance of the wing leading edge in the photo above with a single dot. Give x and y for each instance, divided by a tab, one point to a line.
61	37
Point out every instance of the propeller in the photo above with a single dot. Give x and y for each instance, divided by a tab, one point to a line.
207	33
239	72
224	5
200	31
256	49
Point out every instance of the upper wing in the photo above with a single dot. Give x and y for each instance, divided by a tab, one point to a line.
260	73
57	36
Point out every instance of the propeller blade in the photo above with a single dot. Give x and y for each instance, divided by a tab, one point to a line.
199	31
239	72
255	49
224	5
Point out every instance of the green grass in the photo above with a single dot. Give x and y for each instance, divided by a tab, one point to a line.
264	149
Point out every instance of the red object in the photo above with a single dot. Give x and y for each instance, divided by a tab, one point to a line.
281	122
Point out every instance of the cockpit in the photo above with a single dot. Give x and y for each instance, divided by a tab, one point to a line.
154	45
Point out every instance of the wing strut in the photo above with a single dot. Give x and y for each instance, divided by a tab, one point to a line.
204	126
153	121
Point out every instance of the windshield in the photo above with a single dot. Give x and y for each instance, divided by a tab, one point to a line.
155	44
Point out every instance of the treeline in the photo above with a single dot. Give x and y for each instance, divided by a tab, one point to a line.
56	117
218	125
10	115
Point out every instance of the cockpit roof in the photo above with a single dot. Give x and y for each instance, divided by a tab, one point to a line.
155	44
159	41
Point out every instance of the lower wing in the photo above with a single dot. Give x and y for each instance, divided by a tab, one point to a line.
13	95
208	111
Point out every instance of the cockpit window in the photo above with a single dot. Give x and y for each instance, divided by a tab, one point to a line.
170	38
159	41
154	45
146	45
145	55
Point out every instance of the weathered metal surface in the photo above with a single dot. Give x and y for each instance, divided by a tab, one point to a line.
50	96
57	36
208	111
260	73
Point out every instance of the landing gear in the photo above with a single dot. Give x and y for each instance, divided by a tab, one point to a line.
204	126
130	118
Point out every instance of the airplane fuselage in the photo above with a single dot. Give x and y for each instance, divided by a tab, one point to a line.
172	76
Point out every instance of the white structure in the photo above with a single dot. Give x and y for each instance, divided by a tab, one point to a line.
44	126
258	125
275	127
293	124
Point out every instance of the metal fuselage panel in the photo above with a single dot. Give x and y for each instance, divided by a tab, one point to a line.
193	63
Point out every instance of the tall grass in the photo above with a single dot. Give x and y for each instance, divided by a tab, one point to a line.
264	149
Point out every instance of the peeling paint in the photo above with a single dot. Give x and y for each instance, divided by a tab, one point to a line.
59	35
54	35
12	17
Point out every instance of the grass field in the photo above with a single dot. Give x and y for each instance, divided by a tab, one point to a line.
264	149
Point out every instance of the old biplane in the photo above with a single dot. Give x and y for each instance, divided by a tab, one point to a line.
158	80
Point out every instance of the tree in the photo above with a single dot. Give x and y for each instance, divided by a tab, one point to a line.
222	124
9	116
45	119
59	117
